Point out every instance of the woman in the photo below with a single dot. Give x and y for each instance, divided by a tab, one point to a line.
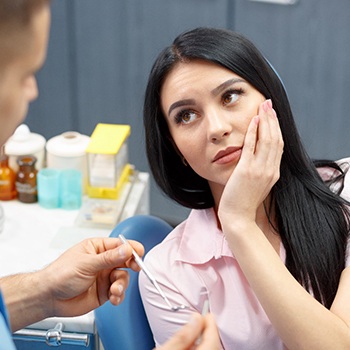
266	241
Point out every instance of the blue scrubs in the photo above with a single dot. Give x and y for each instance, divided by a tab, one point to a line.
6	342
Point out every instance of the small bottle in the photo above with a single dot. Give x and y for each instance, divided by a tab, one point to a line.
26	179
7	179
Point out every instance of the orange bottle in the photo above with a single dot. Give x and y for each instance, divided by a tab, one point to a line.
7	179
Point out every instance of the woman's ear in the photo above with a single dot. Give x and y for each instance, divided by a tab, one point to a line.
175	147
177	151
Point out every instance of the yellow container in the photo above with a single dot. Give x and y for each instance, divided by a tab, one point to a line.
108	168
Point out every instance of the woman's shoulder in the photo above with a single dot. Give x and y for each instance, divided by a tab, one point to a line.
329	169
336	175
344	164
189	232
168	246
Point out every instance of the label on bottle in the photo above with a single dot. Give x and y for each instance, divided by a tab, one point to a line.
25	188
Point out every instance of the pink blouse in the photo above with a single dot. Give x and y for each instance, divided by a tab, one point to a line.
193	264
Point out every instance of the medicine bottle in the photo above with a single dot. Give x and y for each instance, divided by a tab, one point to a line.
26	184
7	179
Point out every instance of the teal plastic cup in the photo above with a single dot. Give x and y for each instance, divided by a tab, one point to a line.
48	182
71	189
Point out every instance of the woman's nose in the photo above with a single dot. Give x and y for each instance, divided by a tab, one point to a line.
218	126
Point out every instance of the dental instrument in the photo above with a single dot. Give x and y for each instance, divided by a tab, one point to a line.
151	277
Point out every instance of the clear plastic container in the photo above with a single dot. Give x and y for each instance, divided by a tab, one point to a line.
67	151
99	213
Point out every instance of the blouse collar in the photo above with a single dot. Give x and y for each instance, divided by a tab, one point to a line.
201	239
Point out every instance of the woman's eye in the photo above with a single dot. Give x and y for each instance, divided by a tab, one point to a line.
231	96
185	117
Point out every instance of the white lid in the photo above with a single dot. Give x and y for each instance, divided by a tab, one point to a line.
68	144
24	142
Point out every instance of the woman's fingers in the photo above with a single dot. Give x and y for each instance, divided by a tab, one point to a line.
258	168
267	133
269	143
250	140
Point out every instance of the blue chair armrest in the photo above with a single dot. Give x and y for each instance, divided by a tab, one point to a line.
125	327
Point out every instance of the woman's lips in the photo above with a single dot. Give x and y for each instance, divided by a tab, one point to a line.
228	155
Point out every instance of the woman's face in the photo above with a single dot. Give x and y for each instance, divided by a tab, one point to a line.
208	109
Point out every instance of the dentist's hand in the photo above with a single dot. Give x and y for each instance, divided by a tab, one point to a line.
88	274
186	338
80	280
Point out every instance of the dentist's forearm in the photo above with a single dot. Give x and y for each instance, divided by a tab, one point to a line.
26	298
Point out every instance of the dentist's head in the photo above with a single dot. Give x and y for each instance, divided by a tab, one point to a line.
24	32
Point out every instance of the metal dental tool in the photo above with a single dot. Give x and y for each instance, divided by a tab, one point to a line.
205	310
151	277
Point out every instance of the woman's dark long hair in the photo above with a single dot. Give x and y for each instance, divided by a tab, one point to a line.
312	220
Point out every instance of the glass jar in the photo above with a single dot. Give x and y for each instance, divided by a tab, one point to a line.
26	184
7	179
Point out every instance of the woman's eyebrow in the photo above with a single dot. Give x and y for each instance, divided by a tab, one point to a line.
214	92
181	103
226	84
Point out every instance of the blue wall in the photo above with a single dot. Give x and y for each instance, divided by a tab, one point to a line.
101	52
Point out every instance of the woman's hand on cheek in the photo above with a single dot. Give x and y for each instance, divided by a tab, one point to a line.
257	170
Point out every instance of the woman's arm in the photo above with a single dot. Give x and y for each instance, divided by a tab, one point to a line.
163	321
300	320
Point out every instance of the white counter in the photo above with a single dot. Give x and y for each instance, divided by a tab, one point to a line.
33	237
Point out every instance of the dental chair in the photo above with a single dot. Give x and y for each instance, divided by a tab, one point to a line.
125	327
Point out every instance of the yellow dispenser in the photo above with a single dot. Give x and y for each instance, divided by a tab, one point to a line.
108	168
